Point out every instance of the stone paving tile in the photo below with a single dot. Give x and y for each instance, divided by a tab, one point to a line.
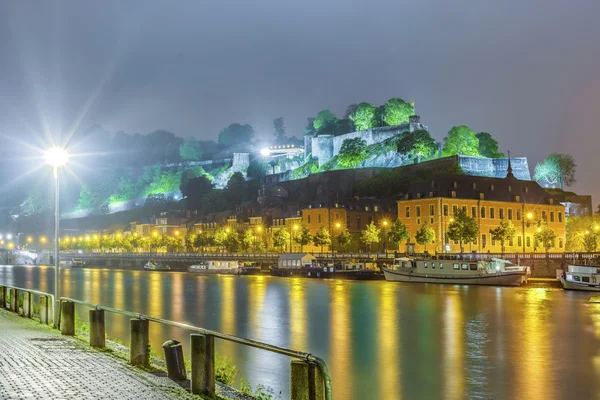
39	363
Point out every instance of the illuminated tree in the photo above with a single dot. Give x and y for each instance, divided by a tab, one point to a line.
590	240
464	228
203	240
425	235
322	238
220	237
344	238
248	239
504	232
232	242
488	146
323	117
364	116
236	134
461	140
303	237
190	150
545	235
396	111
190	241
556	169
352	153
370	235
418	144
280	238
398	233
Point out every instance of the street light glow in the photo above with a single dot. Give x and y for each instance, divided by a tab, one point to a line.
529	215
9	236
265	152
56	156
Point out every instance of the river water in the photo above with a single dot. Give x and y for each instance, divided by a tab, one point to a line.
381	340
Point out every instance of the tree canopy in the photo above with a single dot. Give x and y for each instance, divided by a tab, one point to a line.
370	235
398	233
464	228
545	236
461	140
322	238
504	232
556	169
364	116
396	111
488	146
323	117
235	134
418	144
425	235
190	150
279	129
352	152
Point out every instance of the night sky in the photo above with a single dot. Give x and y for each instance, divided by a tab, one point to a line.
525	71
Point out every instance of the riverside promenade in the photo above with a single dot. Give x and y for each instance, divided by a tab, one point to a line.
37	362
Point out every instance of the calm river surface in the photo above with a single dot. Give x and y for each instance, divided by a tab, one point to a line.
382	340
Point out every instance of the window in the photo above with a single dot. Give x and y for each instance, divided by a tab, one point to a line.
455	185
319	218
483	240
453	194
376	208
493	241
560	243
528	241
518	214
441	266
418	221
425	265
464	208
418	211
585	279
517	198
551	216
358	222
407	212
454	210
464	266
482	213
445	210
370	219
309	218
474	186
510	213
336	216
492	187
559	216
481	196
492	213
455	266
432	265
519	241
473	267
431	220
455	241
432	210
544	216
509	188
501	213
510	241
474	212
576	278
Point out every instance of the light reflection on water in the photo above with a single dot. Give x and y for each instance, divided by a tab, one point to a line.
380	339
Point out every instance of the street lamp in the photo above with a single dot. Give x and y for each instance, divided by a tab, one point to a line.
56	157
384	223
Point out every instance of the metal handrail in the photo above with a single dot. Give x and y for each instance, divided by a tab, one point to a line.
236	339
30	291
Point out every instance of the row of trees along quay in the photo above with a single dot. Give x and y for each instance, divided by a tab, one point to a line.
462	228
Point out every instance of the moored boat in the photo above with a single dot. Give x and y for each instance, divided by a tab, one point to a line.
230	267
152	265
352	270
455	271
581	277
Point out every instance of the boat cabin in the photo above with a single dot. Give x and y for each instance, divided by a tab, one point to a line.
583	274
296	261
230	264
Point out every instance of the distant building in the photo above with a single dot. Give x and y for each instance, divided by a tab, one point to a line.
575	205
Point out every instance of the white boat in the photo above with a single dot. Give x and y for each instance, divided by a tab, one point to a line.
216	267
152	265
72	263
456	271
581	277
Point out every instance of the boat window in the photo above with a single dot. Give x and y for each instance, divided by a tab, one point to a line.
403	264
441	266
455	266
473	267
424	265
432	265
585	278
463	266
576	278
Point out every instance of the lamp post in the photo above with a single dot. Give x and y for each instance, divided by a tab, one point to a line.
446	232
56	157
527	217
384	223
337	227
258	230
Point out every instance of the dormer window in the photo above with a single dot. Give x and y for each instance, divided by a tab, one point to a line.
418	195
454	184
366	208
492	187
474	186
526	189
432	184
481	196
406	196
376	208
551	201
517	198
509	188
430	194
453	194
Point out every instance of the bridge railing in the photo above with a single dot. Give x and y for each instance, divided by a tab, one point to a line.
21	301
310	377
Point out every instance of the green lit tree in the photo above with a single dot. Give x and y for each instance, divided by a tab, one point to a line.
461	140
425	235
232	242
303	237
236	134
398	233
396	111
556	169
203	240
190	240
280	238
370	235
352	152
590	240
343	238
464	229
364	116
504	232
248	239
190	150
488	146
220	237
545	235
323	117
418	144
322	238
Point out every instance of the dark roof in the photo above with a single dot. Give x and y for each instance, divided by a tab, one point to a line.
470	187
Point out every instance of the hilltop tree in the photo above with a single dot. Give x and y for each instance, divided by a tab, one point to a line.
464	228
280	238
310	127
556	169
352	153
370	235
396	111
418	144
461	140
323	117
425	235
236	134
197	188
545	235
322	238
364	116
398	233
343	238
190	150
504	232
303	237
488	146
279	129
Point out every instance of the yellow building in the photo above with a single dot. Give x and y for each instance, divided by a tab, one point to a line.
489	200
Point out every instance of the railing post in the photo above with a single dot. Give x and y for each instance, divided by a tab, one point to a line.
14	300
97	332
27	304
203	365
139	353
306	381
67	318
46	309
3	296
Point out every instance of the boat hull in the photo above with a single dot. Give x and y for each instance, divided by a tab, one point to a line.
587	287
499	279
228	271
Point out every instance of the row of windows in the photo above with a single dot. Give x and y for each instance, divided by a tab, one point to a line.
510	213
472	267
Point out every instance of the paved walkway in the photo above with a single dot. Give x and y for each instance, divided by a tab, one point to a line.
38	363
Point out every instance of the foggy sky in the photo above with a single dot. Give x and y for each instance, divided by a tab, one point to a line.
526	71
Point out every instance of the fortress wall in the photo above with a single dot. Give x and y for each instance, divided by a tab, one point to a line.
371	136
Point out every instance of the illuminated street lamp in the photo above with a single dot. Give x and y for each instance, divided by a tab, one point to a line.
9	236
43	239
29	239
56	157
385	224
